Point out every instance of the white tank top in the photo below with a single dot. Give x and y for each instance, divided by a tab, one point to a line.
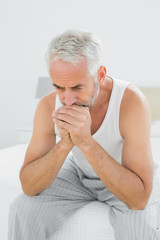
108	135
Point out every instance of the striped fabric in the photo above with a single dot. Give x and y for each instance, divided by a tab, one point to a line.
39	217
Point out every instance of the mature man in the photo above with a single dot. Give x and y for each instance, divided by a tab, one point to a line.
105	122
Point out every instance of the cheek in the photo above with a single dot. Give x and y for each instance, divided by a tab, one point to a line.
86	95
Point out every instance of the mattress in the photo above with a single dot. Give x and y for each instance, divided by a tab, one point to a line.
11	160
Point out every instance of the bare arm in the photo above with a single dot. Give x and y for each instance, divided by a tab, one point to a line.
132	180
44	157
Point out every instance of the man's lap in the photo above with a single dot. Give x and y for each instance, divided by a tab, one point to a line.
72	190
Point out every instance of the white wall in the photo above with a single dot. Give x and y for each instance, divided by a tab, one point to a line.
129	31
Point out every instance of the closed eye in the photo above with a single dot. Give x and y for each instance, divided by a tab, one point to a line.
77	88
58	87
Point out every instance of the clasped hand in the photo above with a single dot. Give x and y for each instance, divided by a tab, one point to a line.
74	124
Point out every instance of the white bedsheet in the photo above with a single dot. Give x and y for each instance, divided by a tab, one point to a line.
11	160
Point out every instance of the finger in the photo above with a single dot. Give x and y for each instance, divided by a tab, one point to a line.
63	132
63	124
72	109
70	128
68	111
79	108
66	118
63	111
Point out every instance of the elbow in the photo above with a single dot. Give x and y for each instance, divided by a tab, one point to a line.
26	188
137	207
28	192
141	203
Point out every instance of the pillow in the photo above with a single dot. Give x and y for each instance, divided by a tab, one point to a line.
155	128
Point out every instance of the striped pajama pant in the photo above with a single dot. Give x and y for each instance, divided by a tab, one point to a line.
38	217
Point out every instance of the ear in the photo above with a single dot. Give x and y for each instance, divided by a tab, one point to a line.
101	74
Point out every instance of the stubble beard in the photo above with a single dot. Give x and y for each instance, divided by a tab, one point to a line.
90	104
93	97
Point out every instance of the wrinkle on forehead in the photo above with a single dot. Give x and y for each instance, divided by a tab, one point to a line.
67	67
64	72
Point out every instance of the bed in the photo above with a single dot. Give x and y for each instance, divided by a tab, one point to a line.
90	222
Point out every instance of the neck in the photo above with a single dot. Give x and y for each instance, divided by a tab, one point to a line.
104	95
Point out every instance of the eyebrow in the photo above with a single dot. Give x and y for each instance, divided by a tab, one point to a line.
76	86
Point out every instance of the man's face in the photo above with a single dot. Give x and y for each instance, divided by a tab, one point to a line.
73	83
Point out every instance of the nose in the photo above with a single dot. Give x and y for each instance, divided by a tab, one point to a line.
69	98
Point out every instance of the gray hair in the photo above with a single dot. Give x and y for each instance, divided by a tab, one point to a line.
72	46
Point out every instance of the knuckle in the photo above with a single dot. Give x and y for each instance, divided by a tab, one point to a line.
66	118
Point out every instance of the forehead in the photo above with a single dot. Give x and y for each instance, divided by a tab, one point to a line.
61	71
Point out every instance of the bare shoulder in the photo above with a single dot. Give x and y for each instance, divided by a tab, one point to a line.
134	110
48	102
133	95
43	136
44	111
